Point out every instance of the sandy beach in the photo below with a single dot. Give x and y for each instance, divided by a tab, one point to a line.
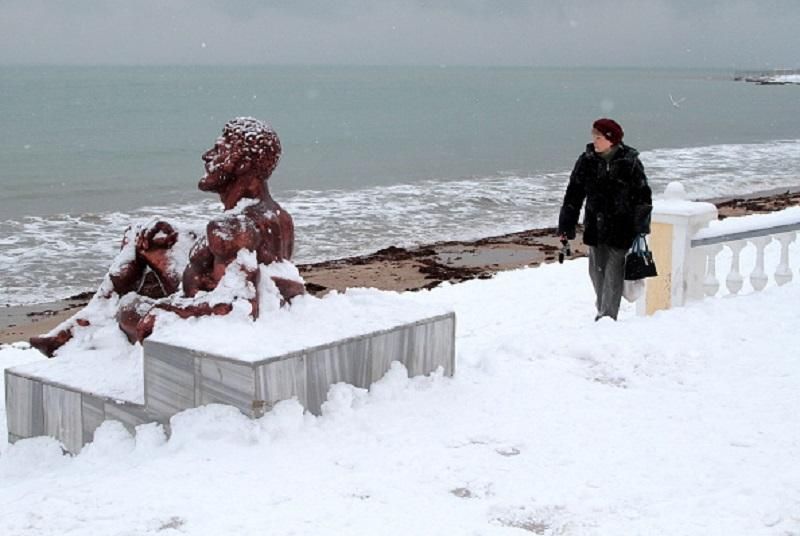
402	269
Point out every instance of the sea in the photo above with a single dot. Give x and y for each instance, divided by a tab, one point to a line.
372	156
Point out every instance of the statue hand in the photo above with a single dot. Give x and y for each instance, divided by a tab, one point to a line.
154	240
154	248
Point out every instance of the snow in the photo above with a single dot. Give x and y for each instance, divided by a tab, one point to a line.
675	202
680	423
788	78
785	79
258	134
100	361
678	207
308	322
754	222
108	367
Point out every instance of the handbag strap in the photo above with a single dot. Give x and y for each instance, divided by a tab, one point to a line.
639	244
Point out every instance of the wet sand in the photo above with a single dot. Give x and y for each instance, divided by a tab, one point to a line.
403	269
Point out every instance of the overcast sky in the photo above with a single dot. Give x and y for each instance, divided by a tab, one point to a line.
692	33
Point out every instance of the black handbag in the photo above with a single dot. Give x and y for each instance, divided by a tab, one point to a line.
639	261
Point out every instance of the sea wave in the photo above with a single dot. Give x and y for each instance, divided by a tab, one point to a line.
49	258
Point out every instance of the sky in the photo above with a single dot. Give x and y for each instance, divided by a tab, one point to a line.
674	33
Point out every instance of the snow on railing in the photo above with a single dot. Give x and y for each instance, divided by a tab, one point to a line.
735	233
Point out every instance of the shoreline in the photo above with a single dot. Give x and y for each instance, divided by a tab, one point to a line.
404	269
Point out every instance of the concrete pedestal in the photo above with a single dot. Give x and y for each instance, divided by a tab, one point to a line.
177	378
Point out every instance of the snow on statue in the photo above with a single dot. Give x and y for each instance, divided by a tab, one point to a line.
239	263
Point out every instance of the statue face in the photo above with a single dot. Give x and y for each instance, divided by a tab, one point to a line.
247	147
219	166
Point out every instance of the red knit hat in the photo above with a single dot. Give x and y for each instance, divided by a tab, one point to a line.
610	130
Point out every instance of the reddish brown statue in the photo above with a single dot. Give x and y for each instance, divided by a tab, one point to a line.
162	268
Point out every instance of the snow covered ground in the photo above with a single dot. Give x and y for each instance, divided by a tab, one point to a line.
683	423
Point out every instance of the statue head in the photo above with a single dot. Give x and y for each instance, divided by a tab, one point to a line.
247	146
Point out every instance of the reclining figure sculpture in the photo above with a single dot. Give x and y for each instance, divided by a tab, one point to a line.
164	268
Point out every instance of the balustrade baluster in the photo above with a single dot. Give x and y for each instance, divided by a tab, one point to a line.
758	277
783	274
710	281
734	281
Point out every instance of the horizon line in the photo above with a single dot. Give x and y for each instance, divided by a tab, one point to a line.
408	65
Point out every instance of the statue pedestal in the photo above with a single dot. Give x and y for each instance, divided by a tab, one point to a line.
176	378
63	399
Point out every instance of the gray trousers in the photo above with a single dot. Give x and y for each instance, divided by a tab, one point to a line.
607	271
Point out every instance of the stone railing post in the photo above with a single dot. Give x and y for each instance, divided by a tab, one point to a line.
680	269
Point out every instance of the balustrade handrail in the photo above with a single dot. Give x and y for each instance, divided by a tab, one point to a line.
731	237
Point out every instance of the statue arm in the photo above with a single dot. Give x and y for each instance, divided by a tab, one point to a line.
128	268
198	273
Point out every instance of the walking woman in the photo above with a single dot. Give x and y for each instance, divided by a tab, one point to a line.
610	177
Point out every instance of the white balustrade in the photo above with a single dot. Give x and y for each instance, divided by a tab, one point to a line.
783	274
758	277
710	282
734	281
697	239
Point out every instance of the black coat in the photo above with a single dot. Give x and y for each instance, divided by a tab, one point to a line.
618	199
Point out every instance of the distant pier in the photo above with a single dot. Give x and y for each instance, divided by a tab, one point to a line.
770	77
